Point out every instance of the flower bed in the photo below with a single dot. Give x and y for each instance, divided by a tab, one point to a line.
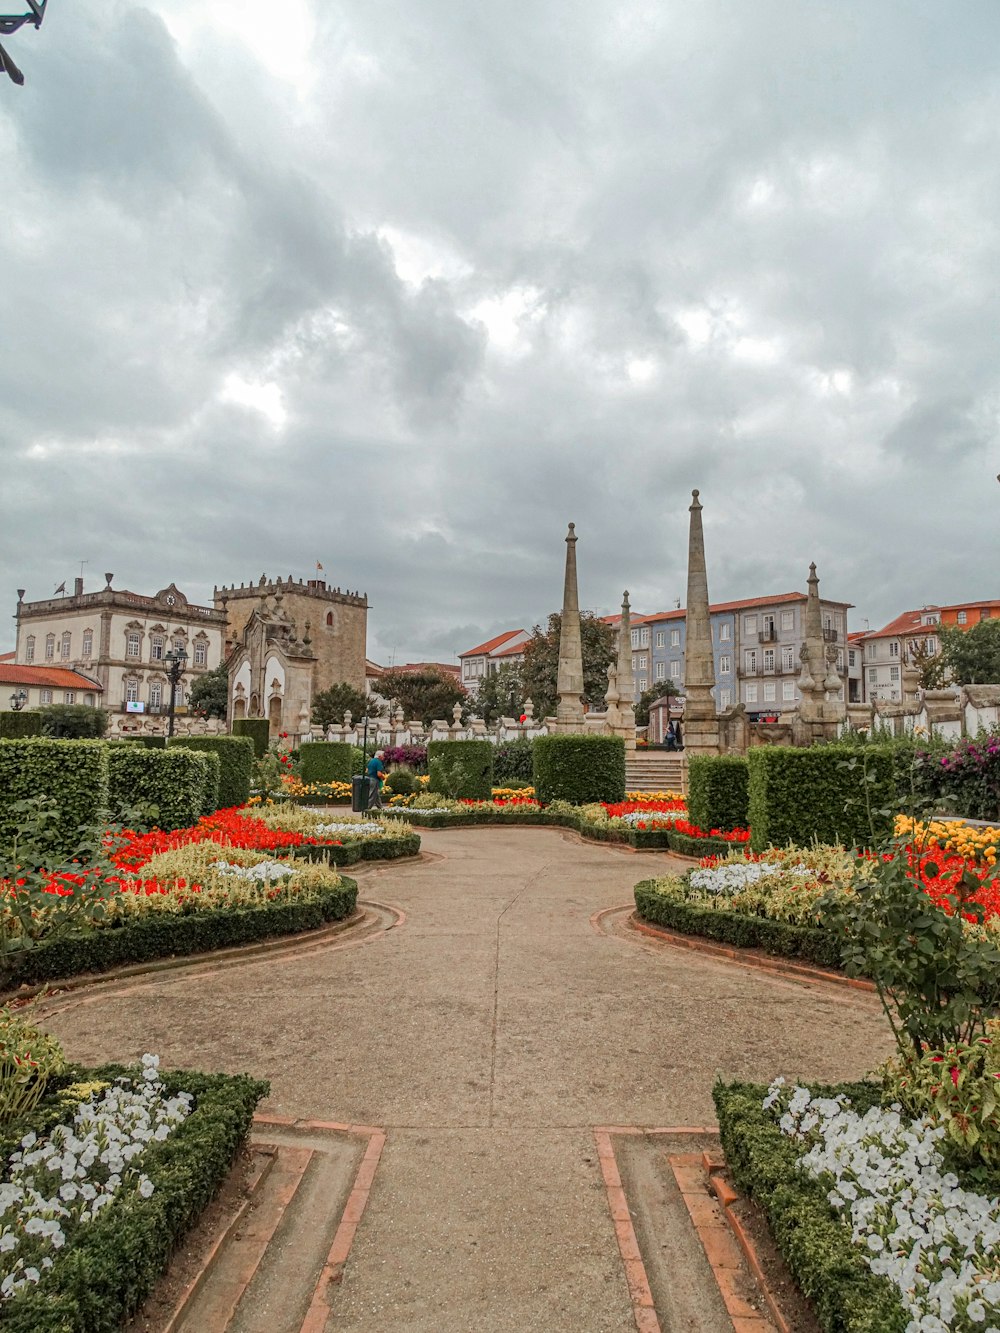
876	1228
102	1181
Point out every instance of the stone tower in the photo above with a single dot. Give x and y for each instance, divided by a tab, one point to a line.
569	682
700	725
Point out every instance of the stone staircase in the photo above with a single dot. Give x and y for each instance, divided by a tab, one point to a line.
655	770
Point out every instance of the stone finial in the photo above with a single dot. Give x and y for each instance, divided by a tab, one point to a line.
695	502
569	680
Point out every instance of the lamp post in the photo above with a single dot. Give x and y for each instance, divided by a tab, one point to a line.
17	700
176	658
10	23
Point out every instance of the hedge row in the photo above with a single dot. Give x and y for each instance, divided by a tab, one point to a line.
835	794
258	729
99	1280
717	791
162	935
829	1269
365	849
642	839
15	726
783	938
236	755
326	761
176	786
578	769
73	773
462	770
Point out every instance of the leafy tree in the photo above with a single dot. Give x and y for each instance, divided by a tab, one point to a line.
660	690
210	693
932	666
422	694
329	706
973	656
501	694
540	671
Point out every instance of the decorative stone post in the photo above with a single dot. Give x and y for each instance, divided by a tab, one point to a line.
569	681
700	723
620	697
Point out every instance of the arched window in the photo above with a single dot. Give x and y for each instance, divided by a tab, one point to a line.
200	652
29	648
131	690
133	643
50	647
88	643
329	617
64	644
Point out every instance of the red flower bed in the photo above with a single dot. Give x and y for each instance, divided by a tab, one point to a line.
618	808
233	827
940	876
736	835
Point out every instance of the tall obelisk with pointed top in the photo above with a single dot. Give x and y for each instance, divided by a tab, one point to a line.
569	681
700	725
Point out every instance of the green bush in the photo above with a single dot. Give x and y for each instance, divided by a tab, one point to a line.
402	781
15	726
150	742
212	778
717	791
73	722
827	793
96	1282
829	1268
167	787
513	762
685	844
259	731
461	769
74	774
236	756
579	769
325	761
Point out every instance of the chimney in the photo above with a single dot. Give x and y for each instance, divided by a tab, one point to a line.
78	587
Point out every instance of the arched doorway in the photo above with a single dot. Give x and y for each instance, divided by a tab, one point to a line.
274	715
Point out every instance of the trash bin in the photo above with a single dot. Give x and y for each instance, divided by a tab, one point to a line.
360	791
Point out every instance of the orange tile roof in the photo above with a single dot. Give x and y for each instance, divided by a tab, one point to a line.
443	668
485	649
13	673
907	623
7	657
967	606
744	604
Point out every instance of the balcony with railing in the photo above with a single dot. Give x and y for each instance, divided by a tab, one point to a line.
830	635
768	635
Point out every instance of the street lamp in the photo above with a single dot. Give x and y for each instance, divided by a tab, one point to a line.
10	23
17	700
175	658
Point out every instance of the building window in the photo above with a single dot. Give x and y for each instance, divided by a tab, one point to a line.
155	694
851	657
661	670
770	692
661	638
787	621
725	698
200	653
467	670
131	690
894	673
872	675
751	694
29	648
788	689
642	684
675	638
635	638
749	624
767	626
179	645
45	696
768	659
893	647
725	664
644	638
50	647
840	659
157	647
329	618
870	651
675	670
724	630
88	699
788	658
984	614
88	643
838	620
64	645
932	647
750	661
962	617
69	696
133	641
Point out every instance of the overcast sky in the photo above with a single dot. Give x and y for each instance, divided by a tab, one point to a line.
403	286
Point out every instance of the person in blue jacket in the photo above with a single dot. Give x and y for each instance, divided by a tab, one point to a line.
376	776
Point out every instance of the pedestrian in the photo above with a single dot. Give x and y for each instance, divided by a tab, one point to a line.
376	776
671	737
678	738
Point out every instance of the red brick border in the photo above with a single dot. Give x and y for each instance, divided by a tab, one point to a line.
643	1310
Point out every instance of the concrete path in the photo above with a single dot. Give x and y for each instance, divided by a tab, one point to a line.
489	1035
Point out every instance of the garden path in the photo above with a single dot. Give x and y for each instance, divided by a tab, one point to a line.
489	1035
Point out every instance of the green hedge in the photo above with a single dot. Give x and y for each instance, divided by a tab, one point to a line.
110	1268
461	769
259	731
365	849
15	726
236	755
579	769
150	742
828	1267
686	845
326	761
513	762
212	778
163	935
74	774
781	938
171	780
819	794
717	791
73	722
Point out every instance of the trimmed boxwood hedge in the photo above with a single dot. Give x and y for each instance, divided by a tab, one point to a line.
171	780
685	845
650	840
462	770
259	731
236	756
15	726
150	742
110	1268
782	938
73	773
829	1268
163	935
579	769
365	849
717	791
326	761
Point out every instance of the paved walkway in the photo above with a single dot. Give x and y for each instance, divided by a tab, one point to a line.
489	1034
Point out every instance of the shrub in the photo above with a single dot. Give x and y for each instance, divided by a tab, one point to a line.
150	742
71	722
827	793
73	774
236	756
717	791
413	756
461	769
579	769
513	761
259	731
402	781
165	787
15	726
325	761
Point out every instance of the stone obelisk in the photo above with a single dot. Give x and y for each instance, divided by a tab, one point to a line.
569	682
626	681
819	677
700	724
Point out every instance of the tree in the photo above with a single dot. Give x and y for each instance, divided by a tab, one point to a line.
932	666
330	705
500	694
540	671
210	693
973	656
422	694
658	691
